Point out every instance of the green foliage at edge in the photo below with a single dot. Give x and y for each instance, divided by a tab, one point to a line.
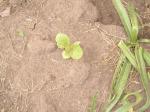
136	57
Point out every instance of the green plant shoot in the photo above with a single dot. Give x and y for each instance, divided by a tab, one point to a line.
70	50
20	33
132	57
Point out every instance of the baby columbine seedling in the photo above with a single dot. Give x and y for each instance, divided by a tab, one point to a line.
70	50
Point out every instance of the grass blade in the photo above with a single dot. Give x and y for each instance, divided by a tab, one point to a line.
125	108
126	51
127	105
148	75
120	85
143	76
123	16
92	107
116	75
134	23
146	56
145	41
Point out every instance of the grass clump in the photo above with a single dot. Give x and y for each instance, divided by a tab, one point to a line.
132	57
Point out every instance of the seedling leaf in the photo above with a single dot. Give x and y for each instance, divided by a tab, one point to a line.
65	55
62	40
76	52
73	51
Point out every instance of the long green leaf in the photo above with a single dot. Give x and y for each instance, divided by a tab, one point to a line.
148	75
144	77
125	108
145	41
134	23
127	105
126	51
116	74
123	16
146	56
93	105
120	85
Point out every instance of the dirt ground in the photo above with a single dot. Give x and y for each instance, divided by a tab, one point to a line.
33	75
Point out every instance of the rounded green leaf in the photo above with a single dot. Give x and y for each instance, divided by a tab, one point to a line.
65	55
76	52
62	40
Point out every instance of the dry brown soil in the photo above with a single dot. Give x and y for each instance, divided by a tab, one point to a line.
33	75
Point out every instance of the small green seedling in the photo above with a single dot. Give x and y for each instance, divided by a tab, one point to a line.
20	33
70	50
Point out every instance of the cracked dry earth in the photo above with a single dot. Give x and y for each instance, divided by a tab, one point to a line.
33	75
